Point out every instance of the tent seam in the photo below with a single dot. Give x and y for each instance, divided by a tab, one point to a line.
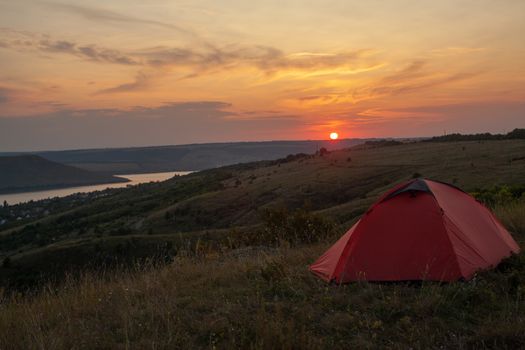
447	233
443	214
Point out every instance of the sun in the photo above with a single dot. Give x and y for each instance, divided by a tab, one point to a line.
334	136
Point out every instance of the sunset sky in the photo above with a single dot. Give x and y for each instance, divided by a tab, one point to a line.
93	73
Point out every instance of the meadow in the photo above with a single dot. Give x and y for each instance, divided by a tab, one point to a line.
264	298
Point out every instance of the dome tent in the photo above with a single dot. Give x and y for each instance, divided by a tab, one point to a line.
419	230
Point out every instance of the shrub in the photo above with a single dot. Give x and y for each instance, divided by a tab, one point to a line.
296	227
294	157
323	151
499	195
512	215
382	143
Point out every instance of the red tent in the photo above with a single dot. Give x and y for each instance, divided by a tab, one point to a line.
419	230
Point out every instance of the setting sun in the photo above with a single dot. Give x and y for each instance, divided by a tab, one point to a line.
334	136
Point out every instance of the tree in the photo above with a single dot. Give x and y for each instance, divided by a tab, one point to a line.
516	134
5	204
323	151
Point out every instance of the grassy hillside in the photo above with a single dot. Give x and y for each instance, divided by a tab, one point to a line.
30	172
264	298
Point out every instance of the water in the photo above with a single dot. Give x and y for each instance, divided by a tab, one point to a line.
135	179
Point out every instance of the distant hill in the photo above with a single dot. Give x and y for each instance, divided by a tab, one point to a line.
512	135
188	157
31	172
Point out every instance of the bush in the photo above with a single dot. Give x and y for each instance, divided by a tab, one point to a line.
512	215
514	134
6	263
323	151
499	195
297	227
382	143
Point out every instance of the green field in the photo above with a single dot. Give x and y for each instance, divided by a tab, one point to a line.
223	258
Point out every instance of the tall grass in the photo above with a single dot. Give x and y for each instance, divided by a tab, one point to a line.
266	298
513	216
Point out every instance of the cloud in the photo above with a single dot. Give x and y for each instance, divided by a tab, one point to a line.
399	114
413	78
428	120
409	86
108	16
172	123
26	41
89	52
58	46
412	71
198	59
208	58
275	60
141	82
267	59
318	98
270	61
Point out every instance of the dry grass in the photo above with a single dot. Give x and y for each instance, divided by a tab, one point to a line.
265	298
193	301
513	215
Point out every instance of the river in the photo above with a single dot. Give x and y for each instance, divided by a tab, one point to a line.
135	179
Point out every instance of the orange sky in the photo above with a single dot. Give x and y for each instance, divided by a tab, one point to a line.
127	72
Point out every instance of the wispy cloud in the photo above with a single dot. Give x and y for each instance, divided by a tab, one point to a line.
41	43
398	114
198	59
426	120
265	58
412	78
412	71
108	16
411	86
142	81
88	52
313	60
